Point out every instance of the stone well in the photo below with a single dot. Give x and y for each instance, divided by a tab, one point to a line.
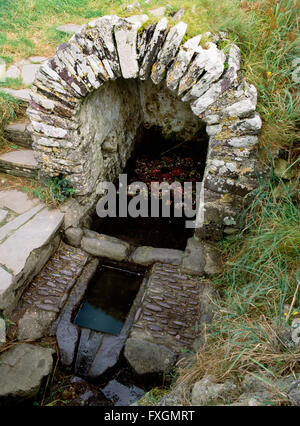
116	76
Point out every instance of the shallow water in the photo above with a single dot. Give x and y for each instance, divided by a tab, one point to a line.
108	300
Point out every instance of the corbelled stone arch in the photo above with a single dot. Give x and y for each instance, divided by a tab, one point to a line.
106	66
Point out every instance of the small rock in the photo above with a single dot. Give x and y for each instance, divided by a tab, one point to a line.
2	331
158	12
179	14
147	255
146	357
73	236
105	246
29	73
34	324
208	392
132	7
201	257
13	72
22	369
295	331
122	395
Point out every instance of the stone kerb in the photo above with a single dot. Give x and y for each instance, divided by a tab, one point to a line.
205	77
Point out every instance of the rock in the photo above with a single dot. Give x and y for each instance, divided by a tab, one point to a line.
34	324
122	395
126	36
168	51
2	332
201	257
146	255
28	73
159	12
208	392
105	246
73	236
13	72
146	357
22	369
209	61
295	331
107	355
153	48
69	28
131	7
181	62
179	14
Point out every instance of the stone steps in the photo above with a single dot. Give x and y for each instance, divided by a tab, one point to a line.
26	243
20	162
19	133
22	95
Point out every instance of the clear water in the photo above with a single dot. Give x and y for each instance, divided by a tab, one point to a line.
108	300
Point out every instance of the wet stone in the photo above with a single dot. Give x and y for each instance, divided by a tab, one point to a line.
153	308
154	327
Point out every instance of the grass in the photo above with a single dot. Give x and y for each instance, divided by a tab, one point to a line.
260	295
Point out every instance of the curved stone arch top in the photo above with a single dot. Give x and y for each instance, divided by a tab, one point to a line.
206	78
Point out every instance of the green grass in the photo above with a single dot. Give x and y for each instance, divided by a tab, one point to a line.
9	109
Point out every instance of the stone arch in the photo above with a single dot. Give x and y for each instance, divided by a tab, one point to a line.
207	79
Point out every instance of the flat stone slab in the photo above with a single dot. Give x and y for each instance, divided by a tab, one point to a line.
28	73
69	28
37	59
146	255
168	320
22	369
201	257
17	201
29	237
21	162
48	291
27	242
18	132
105	246
2	331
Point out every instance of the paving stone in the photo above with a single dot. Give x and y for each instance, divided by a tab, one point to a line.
13	72
28	73
17	201
22	369
201	257
120	394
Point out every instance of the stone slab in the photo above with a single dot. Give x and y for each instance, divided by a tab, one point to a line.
17	201
120	394
19	133
22	369
21	162
32	235
19	94
146	255
28	73
6	280
105	246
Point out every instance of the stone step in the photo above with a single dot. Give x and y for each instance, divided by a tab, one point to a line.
22	95
19	163
26	244
19	133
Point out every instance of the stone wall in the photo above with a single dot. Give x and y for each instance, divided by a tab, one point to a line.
91	99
